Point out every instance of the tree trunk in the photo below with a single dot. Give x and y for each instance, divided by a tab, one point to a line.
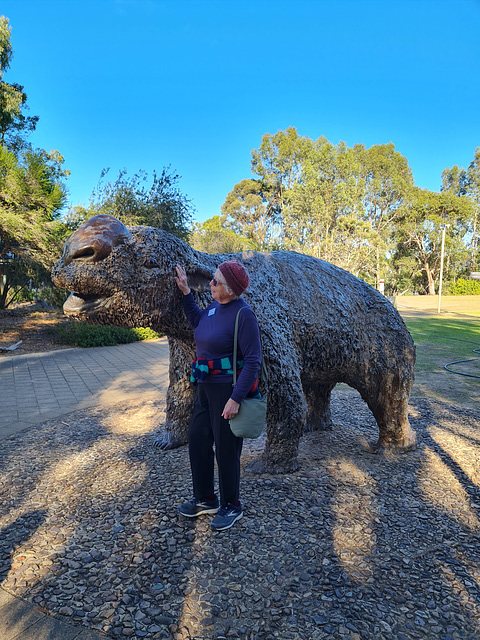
474	242
430	280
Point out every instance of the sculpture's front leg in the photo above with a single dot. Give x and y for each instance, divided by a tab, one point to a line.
180	396
286	416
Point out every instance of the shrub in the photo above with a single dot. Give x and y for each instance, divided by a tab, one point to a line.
145	333
81	334
53	296
463	287
46	296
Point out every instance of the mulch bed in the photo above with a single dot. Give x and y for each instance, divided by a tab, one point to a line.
34	326
353	545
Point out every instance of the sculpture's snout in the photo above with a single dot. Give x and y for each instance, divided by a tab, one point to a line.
94	240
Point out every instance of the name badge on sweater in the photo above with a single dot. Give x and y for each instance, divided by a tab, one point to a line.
212	312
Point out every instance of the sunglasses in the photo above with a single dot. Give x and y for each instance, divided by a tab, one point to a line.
217	282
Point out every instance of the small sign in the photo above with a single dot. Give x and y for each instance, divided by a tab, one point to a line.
381	286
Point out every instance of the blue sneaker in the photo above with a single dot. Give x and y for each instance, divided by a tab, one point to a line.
226	516
194	507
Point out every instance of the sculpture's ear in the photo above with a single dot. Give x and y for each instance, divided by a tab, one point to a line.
199	278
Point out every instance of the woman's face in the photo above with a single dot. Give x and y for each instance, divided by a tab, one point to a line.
217	287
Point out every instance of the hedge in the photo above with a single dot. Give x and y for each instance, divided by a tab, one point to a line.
81	334
463	287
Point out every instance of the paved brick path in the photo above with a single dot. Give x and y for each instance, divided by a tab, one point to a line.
40	386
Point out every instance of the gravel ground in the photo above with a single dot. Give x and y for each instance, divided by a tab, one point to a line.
353	545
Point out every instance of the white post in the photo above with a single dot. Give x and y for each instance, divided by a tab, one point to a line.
442	227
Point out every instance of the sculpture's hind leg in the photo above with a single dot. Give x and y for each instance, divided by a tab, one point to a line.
319	416
390	408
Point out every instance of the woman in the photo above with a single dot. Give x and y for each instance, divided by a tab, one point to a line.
216	401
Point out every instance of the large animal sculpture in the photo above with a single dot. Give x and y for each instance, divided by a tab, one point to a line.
319	325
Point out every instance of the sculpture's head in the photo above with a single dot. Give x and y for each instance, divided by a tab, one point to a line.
124	276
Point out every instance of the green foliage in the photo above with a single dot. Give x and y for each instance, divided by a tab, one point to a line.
419	234
463	287
212	236
74	218
331	201
141	200
5	45
279	160
466	183
49	296
14	125
81	334
32	193
249	210
145	333
358	208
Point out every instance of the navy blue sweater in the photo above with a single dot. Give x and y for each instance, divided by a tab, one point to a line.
214	331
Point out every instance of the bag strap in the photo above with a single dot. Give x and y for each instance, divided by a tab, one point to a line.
263	368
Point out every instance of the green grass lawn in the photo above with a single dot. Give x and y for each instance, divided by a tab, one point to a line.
442	328
439	342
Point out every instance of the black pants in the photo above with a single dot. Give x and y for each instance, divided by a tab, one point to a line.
206	428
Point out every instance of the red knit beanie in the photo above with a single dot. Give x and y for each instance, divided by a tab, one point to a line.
236	276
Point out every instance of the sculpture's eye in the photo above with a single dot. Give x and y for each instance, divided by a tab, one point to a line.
151	263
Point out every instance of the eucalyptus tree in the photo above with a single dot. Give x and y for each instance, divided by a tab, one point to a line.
472	187
213	236
324	218
386	180
14	124
353	206
279	159
279	164
466	183
419	232
306	186
250	210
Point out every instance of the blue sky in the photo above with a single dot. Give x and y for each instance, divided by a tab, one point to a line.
195	84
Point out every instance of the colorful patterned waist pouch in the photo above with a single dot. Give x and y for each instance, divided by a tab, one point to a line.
202	368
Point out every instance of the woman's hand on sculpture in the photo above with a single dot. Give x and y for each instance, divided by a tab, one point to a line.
231	409
181	280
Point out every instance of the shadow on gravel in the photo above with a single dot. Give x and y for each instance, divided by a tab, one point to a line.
353	545
16	534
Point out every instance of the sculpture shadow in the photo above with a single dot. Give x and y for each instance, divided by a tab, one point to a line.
404	544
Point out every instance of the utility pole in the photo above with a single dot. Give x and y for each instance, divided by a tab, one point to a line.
442	227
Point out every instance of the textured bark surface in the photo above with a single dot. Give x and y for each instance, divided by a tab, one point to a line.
319	325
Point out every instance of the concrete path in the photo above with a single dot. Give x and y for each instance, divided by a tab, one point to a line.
21	620
40	386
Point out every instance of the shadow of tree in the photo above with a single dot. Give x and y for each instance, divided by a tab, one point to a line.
15	534
421	563
352	543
